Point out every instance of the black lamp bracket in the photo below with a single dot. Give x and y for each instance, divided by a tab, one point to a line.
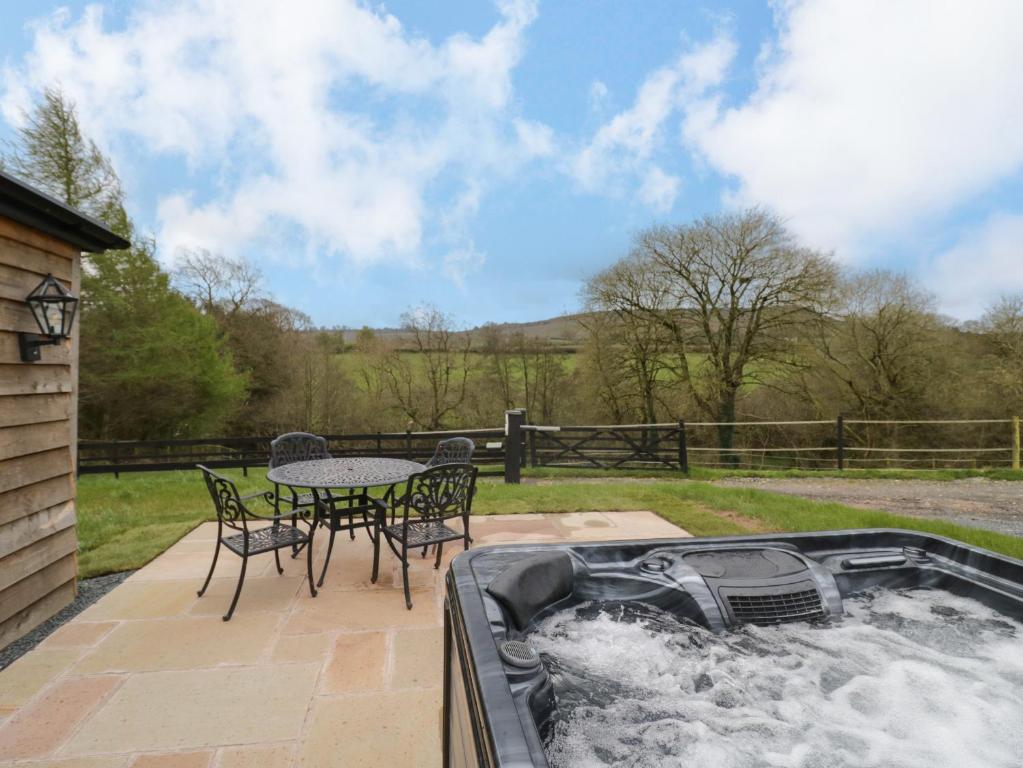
29	344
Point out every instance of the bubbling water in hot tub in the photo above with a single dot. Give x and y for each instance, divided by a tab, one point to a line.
906	679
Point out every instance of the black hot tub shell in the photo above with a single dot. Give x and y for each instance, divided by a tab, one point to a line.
496	690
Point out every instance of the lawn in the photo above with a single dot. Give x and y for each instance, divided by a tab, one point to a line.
124	523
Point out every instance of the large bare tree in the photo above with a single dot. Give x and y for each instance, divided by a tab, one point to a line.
429	386
730	291
876	345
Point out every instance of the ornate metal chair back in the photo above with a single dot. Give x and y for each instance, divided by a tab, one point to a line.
440	493
226	499
455	450
297	446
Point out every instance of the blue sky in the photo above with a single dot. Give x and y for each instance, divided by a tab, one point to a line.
488	157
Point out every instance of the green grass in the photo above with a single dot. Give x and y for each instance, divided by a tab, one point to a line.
125	523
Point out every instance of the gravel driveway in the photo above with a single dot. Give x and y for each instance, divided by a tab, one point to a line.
996	505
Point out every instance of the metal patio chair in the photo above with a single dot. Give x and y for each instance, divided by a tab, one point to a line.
431	498
296	446
232	513
454	450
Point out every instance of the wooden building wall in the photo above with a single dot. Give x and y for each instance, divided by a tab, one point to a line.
38	432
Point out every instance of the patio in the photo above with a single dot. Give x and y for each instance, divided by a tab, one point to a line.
150	676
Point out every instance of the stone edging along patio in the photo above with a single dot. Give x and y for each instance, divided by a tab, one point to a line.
149	675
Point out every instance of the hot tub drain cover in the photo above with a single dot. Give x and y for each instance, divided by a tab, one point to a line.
518	654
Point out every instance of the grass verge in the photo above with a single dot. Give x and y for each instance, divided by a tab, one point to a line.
125	523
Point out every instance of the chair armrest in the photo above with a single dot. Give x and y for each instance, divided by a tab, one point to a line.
267	496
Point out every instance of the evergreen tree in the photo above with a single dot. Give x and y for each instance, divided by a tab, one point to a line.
151	365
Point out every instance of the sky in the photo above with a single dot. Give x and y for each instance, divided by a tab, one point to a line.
487	158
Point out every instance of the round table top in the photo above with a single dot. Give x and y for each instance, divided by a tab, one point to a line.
355	472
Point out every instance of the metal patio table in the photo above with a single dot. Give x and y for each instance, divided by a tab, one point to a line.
355	474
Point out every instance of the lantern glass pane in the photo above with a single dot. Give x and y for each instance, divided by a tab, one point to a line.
52	312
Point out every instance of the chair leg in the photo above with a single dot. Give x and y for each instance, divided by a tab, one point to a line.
404	578
440	551
277	559
213	565
238	591
376	554
326	560
295	548
309	566
404	574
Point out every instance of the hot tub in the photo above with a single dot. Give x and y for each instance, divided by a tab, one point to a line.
849	648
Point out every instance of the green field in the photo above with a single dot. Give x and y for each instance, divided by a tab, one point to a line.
124	523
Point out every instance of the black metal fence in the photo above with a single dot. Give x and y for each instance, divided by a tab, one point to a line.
838	444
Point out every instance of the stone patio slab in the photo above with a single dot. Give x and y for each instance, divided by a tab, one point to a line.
38	729
345	734
181	643
192	709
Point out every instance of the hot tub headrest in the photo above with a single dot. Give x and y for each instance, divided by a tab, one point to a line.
531	584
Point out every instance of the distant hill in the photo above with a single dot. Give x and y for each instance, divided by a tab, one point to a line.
563	330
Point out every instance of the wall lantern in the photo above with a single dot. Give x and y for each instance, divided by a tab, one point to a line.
54	309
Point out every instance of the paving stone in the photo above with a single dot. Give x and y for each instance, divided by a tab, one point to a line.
361	610
357	663
195	566
78	634
277	756
344	734
301	648
270	594
173	760
193	709
113	761
38	729
182	643
137	600
418	658
31	673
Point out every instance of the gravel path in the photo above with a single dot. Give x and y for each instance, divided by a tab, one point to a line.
89	591
996	505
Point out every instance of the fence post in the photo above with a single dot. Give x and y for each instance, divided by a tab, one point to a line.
1015	443
840	442
513	445
117	462
408	442
683	448
532	447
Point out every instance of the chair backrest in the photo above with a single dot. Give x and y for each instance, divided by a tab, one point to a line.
297	446
441	492
230	509
454	450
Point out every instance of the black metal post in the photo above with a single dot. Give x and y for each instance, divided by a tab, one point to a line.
117	462
683	449
408	444
840	442
513	445
532	447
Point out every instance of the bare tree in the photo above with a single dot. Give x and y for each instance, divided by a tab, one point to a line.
1003	323
730	291
216	283
429	386
876	345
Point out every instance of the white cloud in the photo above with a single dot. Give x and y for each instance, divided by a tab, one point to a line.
460	263
622	149
271	100
870	116
659	190
982	266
